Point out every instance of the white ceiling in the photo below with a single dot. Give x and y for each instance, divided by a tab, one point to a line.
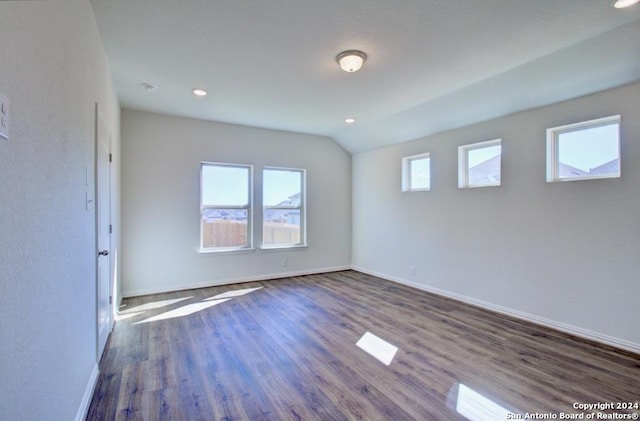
433	64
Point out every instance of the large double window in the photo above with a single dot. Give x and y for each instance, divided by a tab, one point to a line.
283	201
226	207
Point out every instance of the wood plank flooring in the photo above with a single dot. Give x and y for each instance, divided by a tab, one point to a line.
287	351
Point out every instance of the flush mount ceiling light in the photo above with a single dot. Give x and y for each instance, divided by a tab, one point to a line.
349	120
199	92
621	4
351	60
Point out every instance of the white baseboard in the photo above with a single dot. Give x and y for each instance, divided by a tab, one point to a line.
88	394
563	327
227	281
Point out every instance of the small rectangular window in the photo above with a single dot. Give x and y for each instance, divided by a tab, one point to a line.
585	150
283	197
480	164
416	172
225	206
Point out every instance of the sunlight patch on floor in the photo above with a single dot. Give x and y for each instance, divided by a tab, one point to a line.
235	293
184	310
187	310
125	316
476	407
378	348
153	305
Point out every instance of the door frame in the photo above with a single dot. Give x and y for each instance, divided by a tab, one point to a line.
99	121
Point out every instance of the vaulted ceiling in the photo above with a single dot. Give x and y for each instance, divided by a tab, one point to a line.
432	65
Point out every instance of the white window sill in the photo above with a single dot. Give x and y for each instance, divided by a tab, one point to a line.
586	177
284	248
479	186
414	190
243	250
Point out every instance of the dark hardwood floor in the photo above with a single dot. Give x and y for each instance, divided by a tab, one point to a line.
287	351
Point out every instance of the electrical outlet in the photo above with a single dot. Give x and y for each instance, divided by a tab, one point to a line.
4	117
285	262
412	270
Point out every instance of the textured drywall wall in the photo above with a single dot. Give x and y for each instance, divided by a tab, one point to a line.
53	70
161	201
565	252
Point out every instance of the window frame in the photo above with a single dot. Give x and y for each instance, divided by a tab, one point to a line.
463	163
302	207
553	169
406	172
248	207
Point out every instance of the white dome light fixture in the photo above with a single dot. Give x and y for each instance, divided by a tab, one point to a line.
351	60
199	92
621	4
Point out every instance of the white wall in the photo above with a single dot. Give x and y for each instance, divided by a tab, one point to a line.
161	200
53	70
562	253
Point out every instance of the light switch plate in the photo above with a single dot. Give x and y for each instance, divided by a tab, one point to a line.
4	117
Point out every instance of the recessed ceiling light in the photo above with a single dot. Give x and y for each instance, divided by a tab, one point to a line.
149	87
349	120
351	60
621	4
199	92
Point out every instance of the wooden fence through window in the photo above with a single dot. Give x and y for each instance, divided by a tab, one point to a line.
226	233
